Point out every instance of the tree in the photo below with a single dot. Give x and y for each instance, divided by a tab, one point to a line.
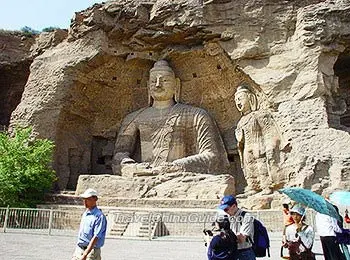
26	30
50	29
25	168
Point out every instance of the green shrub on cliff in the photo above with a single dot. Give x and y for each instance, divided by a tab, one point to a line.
28	31
25	168
50	29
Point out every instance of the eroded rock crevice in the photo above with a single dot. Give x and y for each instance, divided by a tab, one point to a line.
12	81
342	71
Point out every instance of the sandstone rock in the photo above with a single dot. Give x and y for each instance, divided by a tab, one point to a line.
47	40
295	54
14	71
183	185
257	203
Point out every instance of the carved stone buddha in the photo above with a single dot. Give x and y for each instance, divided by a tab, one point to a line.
168	136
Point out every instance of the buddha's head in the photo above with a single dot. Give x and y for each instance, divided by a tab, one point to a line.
245	100
163	85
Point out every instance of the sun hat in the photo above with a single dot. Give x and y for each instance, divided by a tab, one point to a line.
298	209
89	193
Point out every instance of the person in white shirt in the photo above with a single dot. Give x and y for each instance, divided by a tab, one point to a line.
326	228
299	236
242	225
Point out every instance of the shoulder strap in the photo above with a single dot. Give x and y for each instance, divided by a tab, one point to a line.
301	242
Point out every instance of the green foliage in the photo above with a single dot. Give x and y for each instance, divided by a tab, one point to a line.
50	29
26	30
25	171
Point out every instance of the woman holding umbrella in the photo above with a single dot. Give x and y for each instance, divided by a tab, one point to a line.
299	236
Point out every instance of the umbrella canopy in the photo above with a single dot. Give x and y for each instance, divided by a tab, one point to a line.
340	198
311	200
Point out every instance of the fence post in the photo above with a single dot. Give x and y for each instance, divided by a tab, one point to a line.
6	217
50	221
150	220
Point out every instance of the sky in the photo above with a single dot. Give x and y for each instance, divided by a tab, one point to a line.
40	14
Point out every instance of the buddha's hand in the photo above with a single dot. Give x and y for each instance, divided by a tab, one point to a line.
145	166
167	167
131	167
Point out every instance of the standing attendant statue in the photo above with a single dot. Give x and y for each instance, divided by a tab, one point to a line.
168	136
259	144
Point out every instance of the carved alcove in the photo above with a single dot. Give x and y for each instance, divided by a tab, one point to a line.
107	88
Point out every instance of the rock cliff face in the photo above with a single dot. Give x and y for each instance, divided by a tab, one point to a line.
14	71
294	54
17	53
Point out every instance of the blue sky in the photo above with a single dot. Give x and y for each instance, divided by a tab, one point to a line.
39	14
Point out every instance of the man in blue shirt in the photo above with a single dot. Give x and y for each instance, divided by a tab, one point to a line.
92	230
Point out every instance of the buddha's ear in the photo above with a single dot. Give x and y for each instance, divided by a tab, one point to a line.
150	99
177	96
253	101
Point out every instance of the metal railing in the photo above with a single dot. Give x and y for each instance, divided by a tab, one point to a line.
175	223
129	223
44	221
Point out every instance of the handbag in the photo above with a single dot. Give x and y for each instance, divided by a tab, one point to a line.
295	253
282	253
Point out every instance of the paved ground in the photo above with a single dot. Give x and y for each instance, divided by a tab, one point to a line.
19	246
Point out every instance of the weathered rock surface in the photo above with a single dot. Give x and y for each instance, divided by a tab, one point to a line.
14	71
47	40
295	54
183	185
17	51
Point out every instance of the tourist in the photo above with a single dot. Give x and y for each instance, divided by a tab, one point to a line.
346	217
326	228
243	227
92	230
287	219
299	236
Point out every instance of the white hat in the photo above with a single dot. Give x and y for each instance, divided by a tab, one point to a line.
88	193
298	209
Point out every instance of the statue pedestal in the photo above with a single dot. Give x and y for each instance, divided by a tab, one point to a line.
178	185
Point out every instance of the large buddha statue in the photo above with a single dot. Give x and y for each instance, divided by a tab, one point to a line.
168	136
259	143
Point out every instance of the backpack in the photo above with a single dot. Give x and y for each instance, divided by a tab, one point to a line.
223	247
261	241
343	237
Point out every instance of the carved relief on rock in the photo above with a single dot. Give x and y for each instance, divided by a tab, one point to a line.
260	143
168	136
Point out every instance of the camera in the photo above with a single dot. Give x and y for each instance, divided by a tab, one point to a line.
208	232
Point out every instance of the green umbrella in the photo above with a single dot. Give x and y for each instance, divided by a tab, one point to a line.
317	202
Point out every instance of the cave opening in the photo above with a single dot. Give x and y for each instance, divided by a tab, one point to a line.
12	81
342	71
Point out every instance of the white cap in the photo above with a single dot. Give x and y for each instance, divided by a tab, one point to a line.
88	193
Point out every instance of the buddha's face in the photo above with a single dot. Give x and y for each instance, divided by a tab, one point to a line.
242	102
162	85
